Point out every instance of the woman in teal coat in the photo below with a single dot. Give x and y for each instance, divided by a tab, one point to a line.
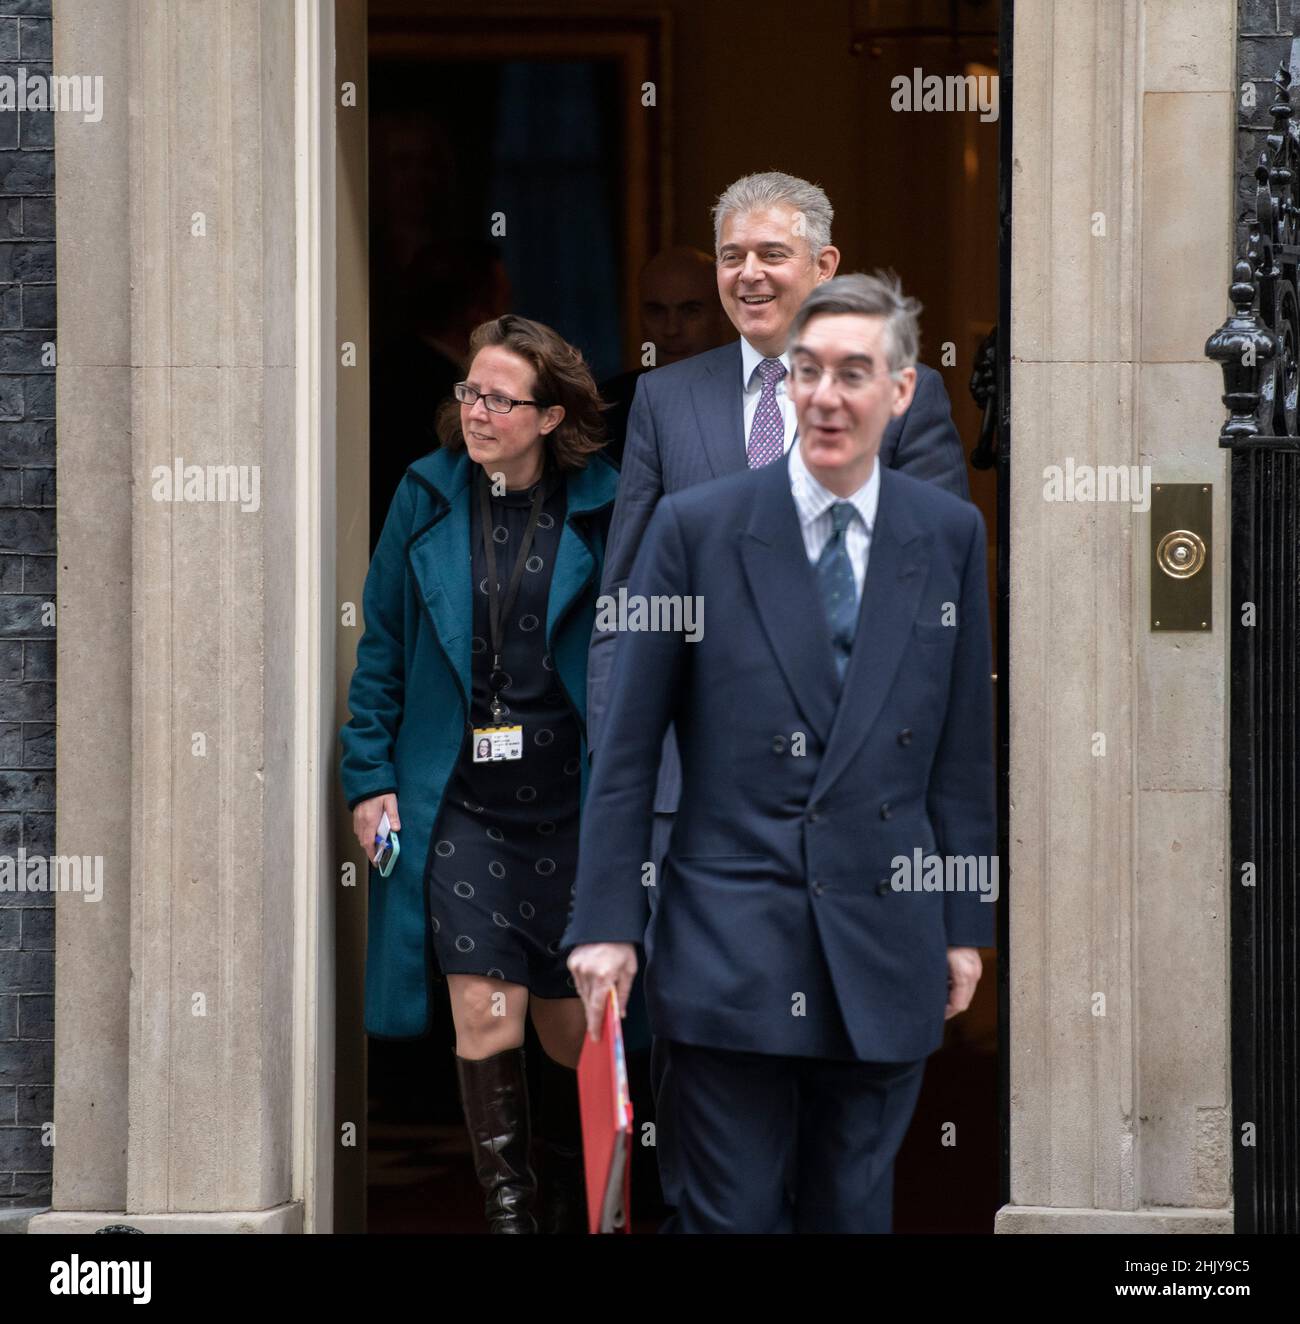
468	710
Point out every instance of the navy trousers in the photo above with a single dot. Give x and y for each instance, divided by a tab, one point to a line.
764	1143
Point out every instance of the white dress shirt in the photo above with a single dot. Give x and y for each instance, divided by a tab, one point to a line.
813	504
751	383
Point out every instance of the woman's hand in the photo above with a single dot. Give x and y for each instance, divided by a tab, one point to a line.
366	816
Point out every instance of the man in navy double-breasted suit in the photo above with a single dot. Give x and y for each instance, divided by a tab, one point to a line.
833	709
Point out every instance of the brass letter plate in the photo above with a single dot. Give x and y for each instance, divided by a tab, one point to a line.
1181	547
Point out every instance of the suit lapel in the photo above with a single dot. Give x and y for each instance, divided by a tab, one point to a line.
897	563
784	588
720	414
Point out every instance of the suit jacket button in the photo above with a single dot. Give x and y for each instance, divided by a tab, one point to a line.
778	744
813	816
882	887
905	736
818	889
886	811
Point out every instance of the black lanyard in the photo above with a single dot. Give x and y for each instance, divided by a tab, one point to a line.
499	609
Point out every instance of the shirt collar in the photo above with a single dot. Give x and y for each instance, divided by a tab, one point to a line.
750	358
817	500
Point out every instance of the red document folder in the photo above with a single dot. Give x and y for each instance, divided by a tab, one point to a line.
606	1106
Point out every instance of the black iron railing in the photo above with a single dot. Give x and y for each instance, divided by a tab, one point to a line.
1257	350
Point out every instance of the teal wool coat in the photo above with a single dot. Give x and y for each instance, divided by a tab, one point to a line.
409	697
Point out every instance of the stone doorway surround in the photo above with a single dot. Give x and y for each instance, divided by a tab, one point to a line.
1122	241
194	1050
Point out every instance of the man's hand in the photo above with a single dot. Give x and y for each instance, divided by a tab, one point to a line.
964	970
596	968
365	820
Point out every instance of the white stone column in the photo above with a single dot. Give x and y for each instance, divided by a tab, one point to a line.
92	969
1121	253
182	242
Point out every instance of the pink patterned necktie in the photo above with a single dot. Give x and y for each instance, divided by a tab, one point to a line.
767	432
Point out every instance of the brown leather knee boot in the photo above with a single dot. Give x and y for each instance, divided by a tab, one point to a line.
494	1094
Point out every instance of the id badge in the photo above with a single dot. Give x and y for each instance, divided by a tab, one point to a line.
492	744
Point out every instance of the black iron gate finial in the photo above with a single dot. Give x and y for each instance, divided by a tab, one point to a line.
1258	346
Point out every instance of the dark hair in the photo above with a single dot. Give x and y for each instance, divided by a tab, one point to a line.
877	295
562	378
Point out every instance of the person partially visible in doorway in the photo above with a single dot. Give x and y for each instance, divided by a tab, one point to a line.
468	711
681	315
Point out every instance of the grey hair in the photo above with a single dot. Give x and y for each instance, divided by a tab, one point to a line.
877	295
754	192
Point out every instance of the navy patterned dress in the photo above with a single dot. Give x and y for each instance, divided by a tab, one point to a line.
506	845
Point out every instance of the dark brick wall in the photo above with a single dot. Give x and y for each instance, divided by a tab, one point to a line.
26	584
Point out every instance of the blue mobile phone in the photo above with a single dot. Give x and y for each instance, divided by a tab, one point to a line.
389	848
387	855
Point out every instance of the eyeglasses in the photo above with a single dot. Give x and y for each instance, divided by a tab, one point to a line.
849	380
498	404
